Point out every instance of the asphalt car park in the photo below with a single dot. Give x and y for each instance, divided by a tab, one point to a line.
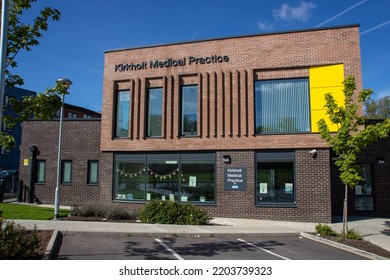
121	246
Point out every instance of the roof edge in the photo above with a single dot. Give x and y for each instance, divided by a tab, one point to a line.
237	36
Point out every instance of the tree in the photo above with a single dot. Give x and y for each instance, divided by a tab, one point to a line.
351	137
378	109
23	36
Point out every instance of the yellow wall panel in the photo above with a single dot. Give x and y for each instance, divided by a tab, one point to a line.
322	80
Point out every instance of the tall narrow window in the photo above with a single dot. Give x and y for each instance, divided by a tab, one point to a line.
275	178
189	110
155	112
41	170
93	167
282	106
364	200
66	172
122	113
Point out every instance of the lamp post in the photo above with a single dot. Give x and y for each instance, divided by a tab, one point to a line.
57	191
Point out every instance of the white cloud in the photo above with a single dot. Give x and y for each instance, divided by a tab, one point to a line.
265	25
383	93
299	13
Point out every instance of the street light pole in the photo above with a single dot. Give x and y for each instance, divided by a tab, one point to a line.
3	54
57	191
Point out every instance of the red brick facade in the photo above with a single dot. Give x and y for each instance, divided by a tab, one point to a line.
226	89
225	71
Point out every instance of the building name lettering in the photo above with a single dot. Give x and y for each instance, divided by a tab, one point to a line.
170	62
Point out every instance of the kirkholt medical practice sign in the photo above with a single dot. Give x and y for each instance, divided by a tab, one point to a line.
235	179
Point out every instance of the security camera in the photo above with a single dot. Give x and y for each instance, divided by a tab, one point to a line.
313	153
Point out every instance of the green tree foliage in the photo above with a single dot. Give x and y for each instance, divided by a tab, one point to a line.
22	37
352	135
378	109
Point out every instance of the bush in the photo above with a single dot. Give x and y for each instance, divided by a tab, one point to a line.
110	212
325	230
170	212
16	243
353	234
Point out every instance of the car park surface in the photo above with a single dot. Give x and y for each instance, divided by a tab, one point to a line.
121	246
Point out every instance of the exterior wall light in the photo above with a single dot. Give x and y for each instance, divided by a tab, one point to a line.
227	159
313	153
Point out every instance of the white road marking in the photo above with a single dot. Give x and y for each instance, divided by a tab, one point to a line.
262	249
177	256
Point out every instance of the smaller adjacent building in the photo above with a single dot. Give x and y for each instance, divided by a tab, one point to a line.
9	158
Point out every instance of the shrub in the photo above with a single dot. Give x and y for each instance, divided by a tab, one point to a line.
16	243
171	212
353	234
110	212
325	230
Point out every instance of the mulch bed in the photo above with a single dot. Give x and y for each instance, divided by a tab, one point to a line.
362	245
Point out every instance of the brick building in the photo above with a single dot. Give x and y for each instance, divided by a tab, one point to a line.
228	124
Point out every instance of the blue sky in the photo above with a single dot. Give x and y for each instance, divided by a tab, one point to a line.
74	46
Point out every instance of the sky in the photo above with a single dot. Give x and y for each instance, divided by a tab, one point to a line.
74	47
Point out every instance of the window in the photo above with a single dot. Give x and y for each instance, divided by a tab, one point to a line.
41	171
155	112
72	115
66	172
181	177
363	193
93	172
197	177
282	106
122	113
189	110
5	151
275	178
86	116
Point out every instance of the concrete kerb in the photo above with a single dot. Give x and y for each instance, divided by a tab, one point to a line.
337	245
53	245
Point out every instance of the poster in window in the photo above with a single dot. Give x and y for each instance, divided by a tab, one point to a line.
263	188
358	189
288	188
192	181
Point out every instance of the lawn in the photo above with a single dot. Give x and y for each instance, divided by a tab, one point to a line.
15	211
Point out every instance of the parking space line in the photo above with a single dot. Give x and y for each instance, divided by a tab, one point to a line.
262	249
177	256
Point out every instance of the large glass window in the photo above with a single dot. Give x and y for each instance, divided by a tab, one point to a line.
122	113
282	106
179	177
364	200
189	110
197	177
163	177
155	96
275	178
129	177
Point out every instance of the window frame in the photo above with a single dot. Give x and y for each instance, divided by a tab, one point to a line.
89	181
175	173
182	111
308	110
276	157
38	181
117	116
63	163
148	111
